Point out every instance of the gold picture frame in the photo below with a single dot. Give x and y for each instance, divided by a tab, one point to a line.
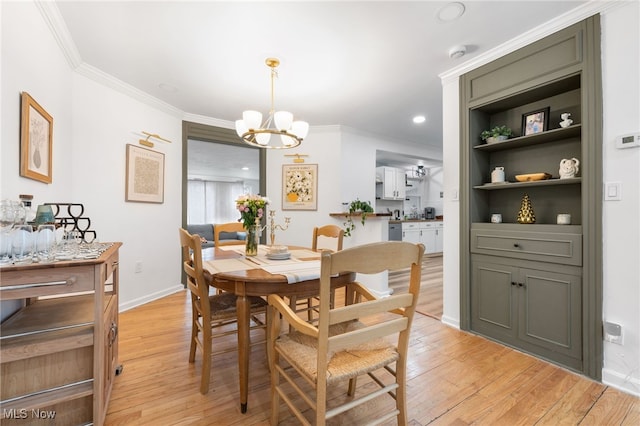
299	187
144	175
36	140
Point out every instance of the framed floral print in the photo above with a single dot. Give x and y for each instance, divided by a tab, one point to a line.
299	187
145	175
36	140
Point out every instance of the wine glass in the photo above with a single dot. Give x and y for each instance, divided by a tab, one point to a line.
46	243
7	221
22	240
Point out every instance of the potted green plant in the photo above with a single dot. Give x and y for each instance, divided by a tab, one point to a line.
356	207
496	134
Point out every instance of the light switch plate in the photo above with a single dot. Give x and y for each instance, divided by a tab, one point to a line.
613	191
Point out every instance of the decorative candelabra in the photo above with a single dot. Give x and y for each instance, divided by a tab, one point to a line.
273	227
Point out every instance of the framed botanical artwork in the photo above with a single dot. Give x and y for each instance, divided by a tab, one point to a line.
535	122
299	187
36	140
145	175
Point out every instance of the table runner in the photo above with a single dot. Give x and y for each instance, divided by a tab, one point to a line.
294	269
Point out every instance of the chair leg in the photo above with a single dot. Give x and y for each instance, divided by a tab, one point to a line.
401	392
194	337
273	319
206	360
352	386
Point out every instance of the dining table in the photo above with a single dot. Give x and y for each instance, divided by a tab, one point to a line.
297	275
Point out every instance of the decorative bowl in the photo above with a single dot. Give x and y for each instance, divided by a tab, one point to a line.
532	176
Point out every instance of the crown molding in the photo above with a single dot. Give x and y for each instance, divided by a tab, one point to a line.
556	24
51	15
210	121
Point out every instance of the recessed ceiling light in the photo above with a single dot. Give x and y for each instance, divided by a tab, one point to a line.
245	168
418	119
451	12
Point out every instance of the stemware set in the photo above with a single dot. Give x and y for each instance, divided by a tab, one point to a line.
20	243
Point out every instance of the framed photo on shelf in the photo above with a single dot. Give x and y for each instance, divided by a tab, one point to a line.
36	140
144	175
299	187
535	122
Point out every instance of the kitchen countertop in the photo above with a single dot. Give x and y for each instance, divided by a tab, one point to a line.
415	220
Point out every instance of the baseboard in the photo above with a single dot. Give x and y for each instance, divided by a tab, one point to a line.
453	322
149	298
617	380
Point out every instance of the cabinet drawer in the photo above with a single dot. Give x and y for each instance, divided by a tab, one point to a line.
406	226
539	246
20	284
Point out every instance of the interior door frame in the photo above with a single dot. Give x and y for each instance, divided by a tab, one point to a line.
219	135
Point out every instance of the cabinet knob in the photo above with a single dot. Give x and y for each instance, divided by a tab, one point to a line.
113	333
513	283
520	285
516	245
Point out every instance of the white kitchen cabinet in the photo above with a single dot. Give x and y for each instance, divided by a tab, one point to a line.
411	232
439	237
428	233
391	183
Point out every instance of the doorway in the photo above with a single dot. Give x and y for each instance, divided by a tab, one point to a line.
218	155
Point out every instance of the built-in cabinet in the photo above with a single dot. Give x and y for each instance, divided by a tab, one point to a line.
390	183
527	288
428	233
535	286
59	353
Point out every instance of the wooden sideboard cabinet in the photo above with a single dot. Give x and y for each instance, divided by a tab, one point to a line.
59	352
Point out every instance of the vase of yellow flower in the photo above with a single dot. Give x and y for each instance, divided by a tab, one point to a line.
252	208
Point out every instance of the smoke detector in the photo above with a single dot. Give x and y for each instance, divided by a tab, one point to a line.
457	51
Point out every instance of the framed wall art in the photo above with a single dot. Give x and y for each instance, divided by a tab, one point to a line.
36	140
145	175
535	122
299	187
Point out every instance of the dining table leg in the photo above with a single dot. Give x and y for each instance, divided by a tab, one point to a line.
242	305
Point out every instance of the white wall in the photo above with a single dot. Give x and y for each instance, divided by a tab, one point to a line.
92	125
621	229
621	225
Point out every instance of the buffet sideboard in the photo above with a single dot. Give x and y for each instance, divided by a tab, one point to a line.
59	352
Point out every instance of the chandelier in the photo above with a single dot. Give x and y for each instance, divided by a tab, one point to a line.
419	172
256	132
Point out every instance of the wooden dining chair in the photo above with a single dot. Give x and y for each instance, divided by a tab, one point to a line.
327	237
210	311
229	227
348	341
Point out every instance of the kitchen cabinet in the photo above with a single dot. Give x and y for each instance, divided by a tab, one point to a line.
427	233
391	183
59	352
439	244
411	232
557	74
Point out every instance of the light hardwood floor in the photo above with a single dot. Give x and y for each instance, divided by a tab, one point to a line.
454	378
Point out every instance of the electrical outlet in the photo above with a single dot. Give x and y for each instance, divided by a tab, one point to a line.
613	333
138	267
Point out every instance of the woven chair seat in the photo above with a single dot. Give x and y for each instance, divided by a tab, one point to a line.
223	305
301	351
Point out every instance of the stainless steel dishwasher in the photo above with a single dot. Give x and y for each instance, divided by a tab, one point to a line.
395	231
